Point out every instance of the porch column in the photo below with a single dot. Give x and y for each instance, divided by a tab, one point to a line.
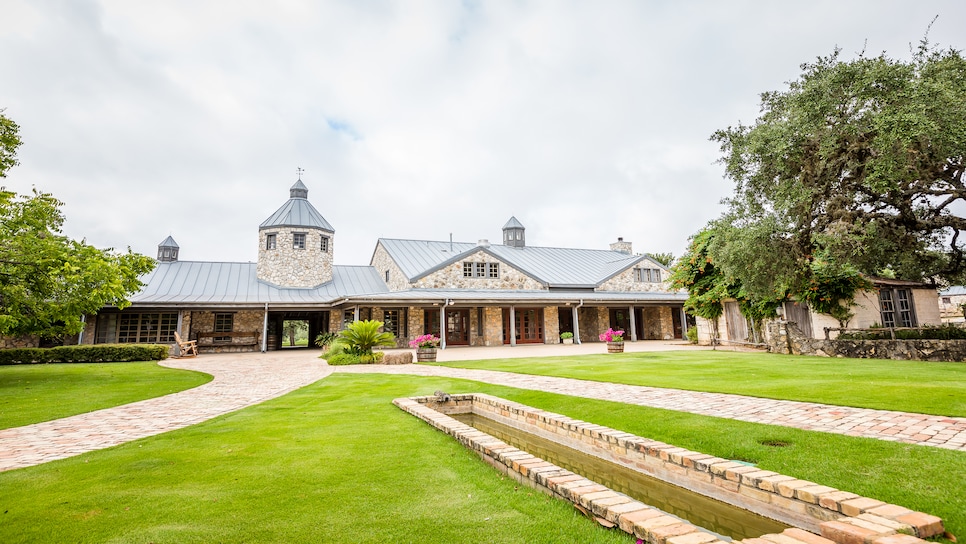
355	313
513	326
684	324
633	325
265	330
576	325
442	325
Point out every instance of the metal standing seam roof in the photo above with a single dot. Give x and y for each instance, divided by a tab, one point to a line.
168	242
466	296
214	283
297	212
554	267
953	290
513	223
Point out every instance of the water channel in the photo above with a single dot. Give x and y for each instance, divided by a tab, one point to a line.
726	521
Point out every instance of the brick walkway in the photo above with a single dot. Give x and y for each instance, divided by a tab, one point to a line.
238	382
242	380
938	431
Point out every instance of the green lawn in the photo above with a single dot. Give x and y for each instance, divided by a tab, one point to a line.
911	386
35	393
336	462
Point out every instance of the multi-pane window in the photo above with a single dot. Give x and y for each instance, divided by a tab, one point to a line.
325	244
270	241
895	307
136	328
481	270
298	240
348	317
649	275
224	322
394	321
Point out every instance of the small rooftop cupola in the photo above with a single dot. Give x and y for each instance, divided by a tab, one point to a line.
295	244
514	233
621	246
168	251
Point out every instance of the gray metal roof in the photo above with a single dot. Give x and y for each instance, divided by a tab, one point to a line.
953	290
513	223
498	296
168	242
554	267
297	212
187	283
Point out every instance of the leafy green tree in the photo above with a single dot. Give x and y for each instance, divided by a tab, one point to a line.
666	259
855	170
48	281
359	337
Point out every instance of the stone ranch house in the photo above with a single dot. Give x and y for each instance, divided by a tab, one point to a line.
471	294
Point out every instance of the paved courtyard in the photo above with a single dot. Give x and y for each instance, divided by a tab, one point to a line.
242	380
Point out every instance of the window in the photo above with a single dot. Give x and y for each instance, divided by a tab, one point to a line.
325	244
136	328
298	240
348	317
270	241
649	275
481	270
895	306
387	276
395	322
224	322
947	300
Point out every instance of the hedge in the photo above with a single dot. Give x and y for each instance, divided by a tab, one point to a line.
943	332
100	353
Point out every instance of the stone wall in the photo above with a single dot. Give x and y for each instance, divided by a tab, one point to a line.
492	326
416	324
286	266
8	342
786	337
627	281
382	262
551	325
252	321
451	277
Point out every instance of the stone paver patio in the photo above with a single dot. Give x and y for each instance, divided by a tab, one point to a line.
242	380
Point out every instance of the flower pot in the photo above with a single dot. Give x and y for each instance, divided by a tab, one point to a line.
425	355
615	347
567	340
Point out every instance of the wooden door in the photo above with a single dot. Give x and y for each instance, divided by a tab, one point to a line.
458	327
529	325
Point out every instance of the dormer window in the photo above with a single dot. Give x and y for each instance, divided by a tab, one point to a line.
298	240
270	241
481	270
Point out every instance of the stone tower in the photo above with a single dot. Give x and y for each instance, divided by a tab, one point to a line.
514	233
168	251
295	244
621	246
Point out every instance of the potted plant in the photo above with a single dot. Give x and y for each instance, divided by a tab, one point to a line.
567	337
425	348
614	339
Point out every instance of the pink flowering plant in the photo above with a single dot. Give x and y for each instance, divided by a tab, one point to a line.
424	341
612	336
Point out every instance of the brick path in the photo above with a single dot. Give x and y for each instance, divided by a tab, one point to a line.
242	380
938	431
238	382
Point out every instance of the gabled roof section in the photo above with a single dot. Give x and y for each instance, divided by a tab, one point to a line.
554	267
214	283
297	212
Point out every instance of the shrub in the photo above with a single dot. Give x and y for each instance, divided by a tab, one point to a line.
98	353
943	332
693	335
337	359
325	339
359	337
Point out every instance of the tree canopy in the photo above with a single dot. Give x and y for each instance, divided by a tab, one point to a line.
48	281
854	171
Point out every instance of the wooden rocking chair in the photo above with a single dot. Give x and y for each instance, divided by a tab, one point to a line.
188	349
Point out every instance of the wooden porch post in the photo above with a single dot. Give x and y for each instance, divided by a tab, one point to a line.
633	325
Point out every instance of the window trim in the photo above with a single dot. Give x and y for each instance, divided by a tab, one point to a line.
296	237
271	241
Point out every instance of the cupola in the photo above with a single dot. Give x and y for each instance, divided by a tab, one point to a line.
168	251
514	233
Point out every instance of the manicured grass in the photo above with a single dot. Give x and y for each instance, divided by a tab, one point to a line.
910	386
336	462
35	393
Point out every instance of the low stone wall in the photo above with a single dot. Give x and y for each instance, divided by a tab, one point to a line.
786	337
841	517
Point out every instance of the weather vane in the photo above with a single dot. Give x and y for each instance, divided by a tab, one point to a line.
300	170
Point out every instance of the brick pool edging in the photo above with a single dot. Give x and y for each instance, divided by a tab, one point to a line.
840	517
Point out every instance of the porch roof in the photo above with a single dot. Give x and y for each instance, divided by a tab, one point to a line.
493	296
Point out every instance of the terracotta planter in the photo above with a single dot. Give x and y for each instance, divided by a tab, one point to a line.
615	347
425	355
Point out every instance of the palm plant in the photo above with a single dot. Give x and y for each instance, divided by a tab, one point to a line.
359	337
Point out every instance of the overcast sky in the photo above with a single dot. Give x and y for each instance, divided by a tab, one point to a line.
412	119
